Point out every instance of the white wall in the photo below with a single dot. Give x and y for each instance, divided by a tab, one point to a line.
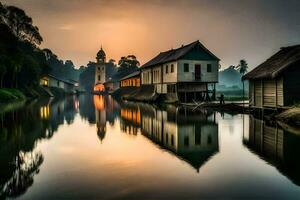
100	70
146	76
190	76
170	77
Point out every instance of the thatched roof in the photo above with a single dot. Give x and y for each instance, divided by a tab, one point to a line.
276	64
176	54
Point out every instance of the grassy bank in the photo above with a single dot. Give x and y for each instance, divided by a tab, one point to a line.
290	116
10	95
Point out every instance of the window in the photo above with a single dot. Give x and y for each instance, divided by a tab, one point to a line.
98	68
167	69
99	77
172	140
186	67
172	68
209	68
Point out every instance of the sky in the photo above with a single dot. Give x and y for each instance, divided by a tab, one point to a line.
231	29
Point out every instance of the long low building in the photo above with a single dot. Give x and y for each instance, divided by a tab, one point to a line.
187	73
132	80
53	81
276	83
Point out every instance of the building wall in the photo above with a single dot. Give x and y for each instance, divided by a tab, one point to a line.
164	77
291	85
131	82
266	93
146	76
170	77
100	73
190	76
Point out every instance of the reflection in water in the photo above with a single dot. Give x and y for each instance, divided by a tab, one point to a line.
192	137
275	145
123	128
20	130
106	110
130	118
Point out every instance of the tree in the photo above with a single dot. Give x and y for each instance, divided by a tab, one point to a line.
128	63
2	13
243	68
21	24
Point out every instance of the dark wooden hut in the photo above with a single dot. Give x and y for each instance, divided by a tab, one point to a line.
276	82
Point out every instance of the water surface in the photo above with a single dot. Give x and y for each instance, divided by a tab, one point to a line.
95	147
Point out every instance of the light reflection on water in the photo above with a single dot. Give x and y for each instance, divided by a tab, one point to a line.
96	147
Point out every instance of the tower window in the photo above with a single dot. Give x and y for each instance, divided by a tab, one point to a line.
99	77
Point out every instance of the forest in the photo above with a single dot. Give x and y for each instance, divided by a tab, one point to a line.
22	61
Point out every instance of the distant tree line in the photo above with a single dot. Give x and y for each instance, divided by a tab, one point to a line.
61	69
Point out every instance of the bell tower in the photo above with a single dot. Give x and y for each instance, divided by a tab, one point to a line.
100	67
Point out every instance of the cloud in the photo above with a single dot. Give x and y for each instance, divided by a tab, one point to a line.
66	27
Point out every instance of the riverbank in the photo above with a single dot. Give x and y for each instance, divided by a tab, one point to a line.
290	116
12	95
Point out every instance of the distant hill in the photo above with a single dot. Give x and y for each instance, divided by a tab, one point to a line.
230	79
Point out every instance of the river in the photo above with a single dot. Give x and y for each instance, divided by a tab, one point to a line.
93	147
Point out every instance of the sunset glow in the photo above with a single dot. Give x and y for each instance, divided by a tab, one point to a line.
232	29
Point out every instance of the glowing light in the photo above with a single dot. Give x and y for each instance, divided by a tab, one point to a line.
99	102
99	88
45	112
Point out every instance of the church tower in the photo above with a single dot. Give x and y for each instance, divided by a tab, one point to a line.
100	67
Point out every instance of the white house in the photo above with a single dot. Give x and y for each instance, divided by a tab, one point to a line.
187	73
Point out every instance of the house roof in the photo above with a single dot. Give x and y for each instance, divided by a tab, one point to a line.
136	73
176	54
276	64
121	74
61	79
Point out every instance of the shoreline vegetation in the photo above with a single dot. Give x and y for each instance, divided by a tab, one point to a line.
23	63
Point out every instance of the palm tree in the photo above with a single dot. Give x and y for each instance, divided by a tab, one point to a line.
243	68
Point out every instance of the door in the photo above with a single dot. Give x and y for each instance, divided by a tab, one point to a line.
197	72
